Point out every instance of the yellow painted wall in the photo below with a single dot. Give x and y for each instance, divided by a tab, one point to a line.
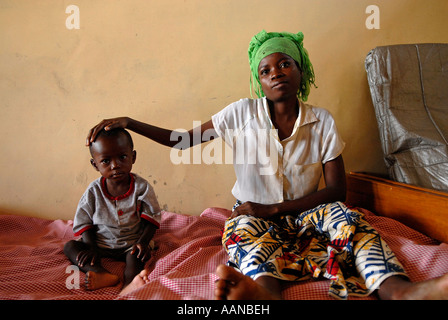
172	62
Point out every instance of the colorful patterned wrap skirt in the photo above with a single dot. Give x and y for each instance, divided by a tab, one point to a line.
329	241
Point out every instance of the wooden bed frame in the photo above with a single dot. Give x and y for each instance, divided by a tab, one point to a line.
424	210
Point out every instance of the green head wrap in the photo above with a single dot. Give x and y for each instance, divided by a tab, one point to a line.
264	44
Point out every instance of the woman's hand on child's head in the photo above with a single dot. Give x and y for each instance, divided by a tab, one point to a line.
107	124
264	211
143	252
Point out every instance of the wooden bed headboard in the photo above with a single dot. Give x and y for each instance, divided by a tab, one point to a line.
424	210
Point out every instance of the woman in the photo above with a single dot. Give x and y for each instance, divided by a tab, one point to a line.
282	227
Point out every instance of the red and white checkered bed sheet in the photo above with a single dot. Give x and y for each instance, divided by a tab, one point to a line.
33	266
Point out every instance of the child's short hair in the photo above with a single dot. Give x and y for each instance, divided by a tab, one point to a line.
114	133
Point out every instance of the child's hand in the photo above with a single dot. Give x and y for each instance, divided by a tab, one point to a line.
86	256
144	251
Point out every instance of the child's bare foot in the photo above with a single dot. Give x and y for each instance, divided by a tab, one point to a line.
233	285
97	280
139	280
434	289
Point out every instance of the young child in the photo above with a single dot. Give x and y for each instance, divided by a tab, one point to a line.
117	216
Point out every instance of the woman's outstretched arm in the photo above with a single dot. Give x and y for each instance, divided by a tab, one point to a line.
165	137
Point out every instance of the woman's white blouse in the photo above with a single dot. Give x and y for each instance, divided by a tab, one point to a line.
269	170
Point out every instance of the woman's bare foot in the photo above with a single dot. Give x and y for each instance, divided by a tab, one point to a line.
233	285
139	280
97	280
402	289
